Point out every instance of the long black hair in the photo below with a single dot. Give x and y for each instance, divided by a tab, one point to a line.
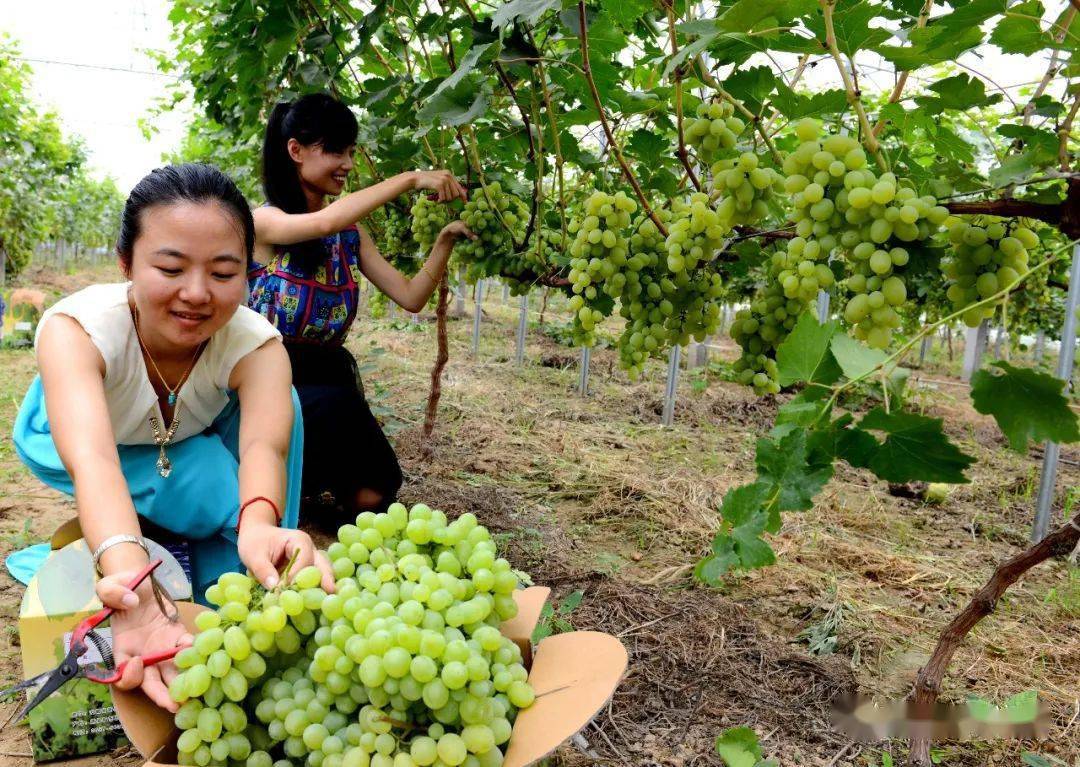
314	119
191	182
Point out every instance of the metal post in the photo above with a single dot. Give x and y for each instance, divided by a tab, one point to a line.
924	349
476	317
583	377
414	318
506	294
822	307
392	312
1040	345
701	353
974	349
523	321
459	295
669	389
1064	372
997	342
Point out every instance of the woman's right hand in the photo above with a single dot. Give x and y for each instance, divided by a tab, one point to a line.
140	628
442	182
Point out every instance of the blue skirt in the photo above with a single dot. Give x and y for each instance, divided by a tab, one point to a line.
198	501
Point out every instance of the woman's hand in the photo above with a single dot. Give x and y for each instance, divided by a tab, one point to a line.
454	231
140	628
442	182
266	548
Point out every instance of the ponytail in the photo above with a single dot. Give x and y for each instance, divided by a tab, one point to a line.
314	119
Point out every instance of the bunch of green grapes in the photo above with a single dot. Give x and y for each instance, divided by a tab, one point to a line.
744	187
499	220
988	256
761	328
842	205
716	129
599	255
402	666
428	219
399	247
536	259
662	308
230	657
696	233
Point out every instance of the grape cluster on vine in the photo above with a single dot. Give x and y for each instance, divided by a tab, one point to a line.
840	204
715	129
402	666
428	219
988	255
744	186
499	220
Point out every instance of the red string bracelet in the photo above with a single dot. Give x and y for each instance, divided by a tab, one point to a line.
248	502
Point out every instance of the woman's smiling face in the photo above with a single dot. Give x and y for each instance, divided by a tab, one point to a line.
188	273
320	170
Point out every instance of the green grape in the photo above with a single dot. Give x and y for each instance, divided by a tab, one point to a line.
428	219
988	256
715	129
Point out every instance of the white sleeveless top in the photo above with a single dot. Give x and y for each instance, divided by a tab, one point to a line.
103	312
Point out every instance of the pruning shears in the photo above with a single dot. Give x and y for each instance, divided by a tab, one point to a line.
106	673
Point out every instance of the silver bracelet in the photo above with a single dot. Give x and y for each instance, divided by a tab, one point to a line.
111	541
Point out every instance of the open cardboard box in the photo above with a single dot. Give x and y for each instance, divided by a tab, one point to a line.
573	675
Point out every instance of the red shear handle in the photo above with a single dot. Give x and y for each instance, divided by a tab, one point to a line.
148	660
97	618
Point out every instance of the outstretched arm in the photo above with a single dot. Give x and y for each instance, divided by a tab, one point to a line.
274	226
411	293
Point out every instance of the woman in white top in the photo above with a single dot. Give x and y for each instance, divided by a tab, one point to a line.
166	399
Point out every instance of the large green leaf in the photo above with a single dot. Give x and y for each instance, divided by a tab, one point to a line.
855	358
739	544
805	356
528	11
915	448
738	747
1027	405
851	24
794	105
958	92
785	465
751	86
1020	30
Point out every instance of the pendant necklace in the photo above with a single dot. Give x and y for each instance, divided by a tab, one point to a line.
161	439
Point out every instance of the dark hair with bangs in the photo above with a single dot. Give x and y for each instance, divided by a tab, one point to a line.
316	119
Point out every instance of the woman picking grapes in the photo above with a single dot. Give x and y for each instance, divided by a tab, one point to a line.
310	255
165	400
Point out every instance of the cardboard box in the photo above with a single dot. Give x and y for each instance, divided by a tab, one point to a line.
574	675
78	719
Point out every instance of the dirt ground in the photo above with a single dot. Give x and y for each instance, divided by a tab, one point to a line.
593	494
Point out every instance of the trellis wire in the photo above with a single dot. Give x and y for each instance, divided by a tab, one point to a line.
476	317
1064	372
523	323
669	388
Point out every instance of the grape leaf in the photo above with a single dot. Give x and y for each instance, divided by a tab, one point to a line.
647	147
751	86
739	544
931	46
796	105
851	24
738	747
785	465
959	92
626	13
528	11
1023	35
804	355
855	358
744	14
915	448
1026	404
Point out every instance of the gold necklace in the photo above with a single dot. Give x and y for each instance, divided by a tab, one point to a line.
164	465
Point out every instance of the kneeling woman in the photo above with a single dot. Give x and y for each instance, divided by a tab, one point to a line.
311	255
166	399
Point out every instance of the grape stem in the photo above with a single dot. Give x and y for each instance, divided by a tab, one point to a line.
901	81
612	144
288	569
868	137
754	119
684	156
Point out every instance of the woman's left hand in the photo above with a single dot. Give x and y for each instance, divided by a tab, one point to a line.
456	230
266	548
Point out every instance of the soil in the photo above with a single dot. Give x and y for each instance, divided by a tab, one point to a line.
592	494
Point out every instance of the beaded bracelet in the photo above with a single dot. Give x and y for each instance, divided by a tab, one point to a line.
240	516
